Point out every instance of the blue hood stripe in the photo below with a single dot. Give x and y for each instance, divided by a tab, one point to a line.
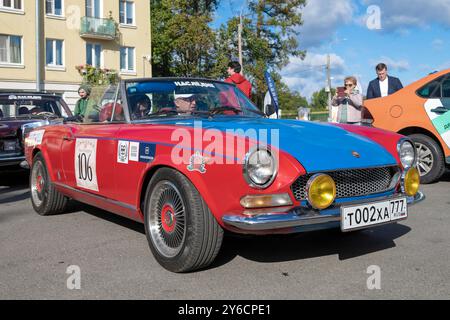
317	146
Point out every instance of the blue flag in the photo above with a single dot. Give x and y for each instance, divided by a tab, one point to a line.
272	90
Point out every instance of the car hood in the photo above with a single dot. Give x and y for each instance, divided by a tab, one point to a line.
317	146
9	128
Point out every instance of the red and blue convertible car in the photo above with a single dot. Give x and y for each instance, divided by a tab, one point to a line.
191	158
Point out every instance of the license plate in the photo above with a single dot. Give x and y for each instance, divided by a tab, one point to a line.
370	214
9	145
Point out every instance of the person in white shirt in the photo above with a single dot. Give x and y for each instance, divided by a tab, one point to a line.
383	85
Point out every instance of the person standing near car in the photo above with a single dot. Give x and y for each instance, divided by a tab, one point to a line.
349	102
85	107
234	69
383	85
80	107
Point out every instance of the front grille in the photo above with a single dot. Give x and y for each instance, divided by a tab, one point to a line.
352	183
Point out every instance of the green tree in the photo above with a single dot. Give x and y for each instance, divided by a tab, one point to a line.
319	100
182	40
269	39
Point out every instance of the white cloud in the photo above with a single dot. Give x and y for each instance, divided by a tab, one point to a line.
396	65
399	15
309	75
437	44
321	19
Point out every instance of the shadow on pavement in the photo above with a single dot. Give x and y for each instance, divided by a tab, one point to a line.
280	248
108	216
13	186
446	176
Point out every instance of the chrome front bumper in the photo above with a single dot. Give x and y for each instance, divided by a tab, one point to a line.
11	161
297	219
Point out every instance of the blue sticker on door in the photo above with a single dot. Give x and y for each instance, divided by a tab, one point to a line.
147	152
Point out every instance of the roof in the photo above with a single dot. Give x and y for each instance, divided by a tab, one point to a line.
29	93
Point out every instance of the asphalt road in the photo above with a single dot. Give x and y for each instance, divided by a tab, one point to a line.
115	261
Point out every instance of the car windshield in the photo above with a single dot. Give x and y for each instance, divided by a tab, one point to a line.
29	107
176	98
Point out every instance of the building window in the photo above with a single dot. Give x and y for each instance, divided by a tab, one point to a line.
10	49
126	12
93	8
94	55
54	53
127	59
54	7
11	4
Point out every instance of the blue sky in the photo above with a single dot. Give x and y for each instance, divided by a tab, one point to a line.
414	40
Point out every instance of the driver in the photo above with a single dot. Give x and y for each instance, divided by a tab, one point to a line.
185	103
142	107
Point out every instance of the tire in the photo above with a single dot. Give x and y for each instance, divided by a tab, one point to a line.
182	233
46	200
430	159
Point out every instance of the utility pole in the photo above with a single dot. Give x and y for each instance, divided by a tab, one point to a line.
240	43
38	46
329	80
240	29
329	84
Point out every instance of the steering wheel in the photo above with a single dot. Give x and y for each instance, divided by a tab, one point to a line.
45	113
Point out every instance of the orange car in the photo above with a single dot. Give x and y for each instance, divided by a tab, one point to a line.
422	112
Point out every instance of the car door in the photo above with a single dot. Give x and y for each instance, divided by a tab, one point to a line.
437	105
88	152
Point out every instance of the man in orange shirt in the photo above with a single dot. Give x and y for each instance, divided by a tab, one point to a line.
234	69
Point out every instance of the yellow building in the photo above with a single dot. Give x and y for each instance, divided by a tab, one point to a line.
109	34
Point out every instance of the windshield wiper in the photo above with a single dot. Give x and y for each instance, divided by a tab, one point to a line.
169	112
237	111
221	109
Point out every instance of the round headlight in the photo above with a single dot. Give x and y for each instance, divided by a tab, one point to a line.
321	190
407	153
411	182
259	169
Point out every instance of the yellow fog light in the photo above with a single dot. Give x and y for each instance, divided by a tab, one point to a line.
321	191
265	201
411	182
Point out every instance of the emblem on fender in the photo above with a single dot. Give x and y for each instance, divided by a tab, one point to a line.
197	163
356	154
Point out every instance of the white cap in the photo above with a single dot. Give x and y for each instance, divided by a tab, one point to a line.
183	95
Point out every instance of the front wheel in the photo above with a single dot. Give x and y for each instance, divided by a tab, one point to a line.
46	200
430	159
182	233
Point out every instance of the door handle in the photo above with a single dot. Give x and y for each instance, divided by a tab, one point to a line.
439	110
67	138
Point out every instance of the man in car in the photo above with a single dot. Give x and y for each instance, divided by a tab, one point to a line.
185	103
384	85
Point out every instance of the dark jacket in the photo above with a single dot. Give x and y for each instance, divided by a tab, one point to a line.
373	91
243	84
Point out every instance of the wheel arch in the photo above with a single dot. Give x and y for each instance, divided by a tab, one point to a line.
418	130
146	180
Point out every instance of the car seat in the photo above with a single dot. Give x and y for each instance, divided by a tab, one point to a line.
23	110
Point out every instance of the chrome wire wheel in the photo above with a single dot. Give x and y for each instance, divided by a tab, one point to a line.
38	184
167	219
425	159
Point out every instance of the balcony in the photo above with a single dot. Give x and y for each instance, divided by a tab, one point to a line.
96	28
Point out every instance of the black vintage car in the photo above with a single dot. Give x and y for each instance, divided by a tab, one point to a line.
19	113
